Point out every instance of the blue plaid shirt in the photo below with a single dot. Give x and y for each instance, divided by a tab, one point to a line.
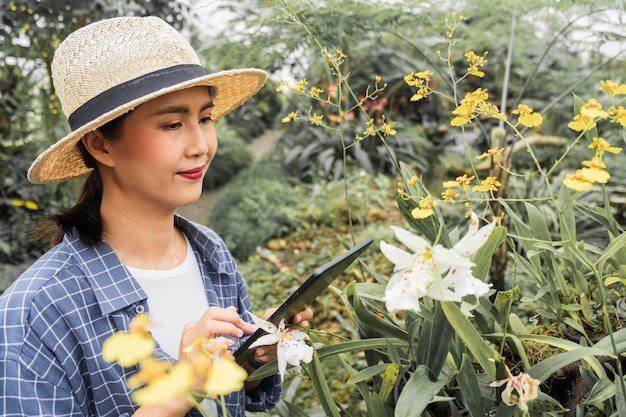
55	317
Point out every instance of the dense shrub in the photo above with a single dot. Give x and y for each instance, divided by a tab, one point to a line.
256	206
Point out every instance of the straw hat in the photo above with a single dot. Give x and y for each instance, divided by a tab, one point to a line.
108	68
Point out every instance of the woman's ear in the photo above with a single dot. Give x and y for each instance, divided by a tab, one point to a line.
98	147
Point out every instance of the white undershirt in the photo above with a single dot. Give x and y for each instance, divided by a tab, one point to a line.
175	297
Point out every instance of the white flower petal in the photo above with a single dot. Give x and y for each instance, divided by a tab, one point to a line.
438	291
475	238
402	294
399	257
297	352
282	362
264	324
465	283
412	241
447	258
265	340
298	334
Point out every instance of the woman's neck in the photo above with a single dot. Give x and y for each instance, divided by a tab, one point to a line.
147	240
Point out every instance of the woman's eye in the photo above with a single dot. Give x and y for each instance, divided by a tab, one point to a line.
172	126
206	119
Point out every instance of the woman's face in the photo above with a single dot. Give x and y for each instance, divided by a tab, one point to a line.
165	148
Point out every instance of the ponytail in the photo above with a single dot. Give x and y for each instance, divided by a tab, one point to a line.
84	216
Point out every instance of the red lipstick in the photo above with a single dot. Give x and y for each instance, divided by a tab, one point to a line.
193	174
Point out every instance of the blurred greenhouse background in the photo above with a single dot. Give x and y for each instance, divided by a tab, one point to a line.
287	210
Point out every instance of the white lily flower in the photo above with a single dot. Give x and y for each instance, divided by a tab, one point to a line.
292	346
461	279
419	274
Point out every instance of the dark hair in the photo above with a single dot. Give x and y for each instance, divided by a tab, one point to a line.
84	215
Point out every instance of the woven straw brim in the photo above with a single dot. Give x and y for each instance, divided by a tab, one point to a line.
63	160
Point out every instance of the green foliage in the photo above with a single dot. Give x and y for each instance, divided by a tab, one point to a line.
310	150
30	114
256	206
22	205
233	156
448	353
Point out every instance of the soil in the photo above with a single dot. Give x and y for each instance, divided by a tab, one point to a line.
199	211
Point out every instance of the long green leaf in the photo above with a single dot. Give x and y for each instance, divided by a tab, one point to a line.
482	257
294	411
470	336
352	346
547	367
566	345
318	379
417	393
371	320
376	406
601	391
620	401
440	341
467	383
368	373
615	247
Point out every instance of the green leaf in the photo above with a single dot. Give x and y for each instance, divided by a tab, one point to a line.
271	368
503	302
294	411
567	220
369	290
614	280
362	386
537	223
614	248
368	319
368	373
376	406
482	257
601	391
566	345
545	405
467	383
547	367
318	379
417	393
434	341
360	346
470	336
619	337
620	399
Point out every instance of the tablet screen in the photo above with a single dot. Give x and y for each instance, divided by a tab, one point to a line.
317	282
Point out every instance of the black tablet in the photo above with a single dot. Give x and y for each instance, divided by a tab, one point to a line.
317	282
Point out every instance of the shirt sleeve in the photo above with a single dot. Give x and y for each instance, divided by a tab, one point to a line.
23	393
266	395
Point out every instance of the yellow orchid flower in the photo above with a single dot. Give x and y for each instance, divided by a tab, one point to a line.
225	377
178	381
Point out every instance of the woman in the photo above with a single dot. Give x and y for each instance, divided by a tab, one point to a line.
141	109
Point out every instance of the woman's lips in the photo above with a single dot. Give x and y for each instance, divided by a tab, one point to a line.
193	174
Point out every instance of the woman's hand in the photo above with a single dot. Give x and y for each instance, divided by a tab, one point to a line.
264	354
215	322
